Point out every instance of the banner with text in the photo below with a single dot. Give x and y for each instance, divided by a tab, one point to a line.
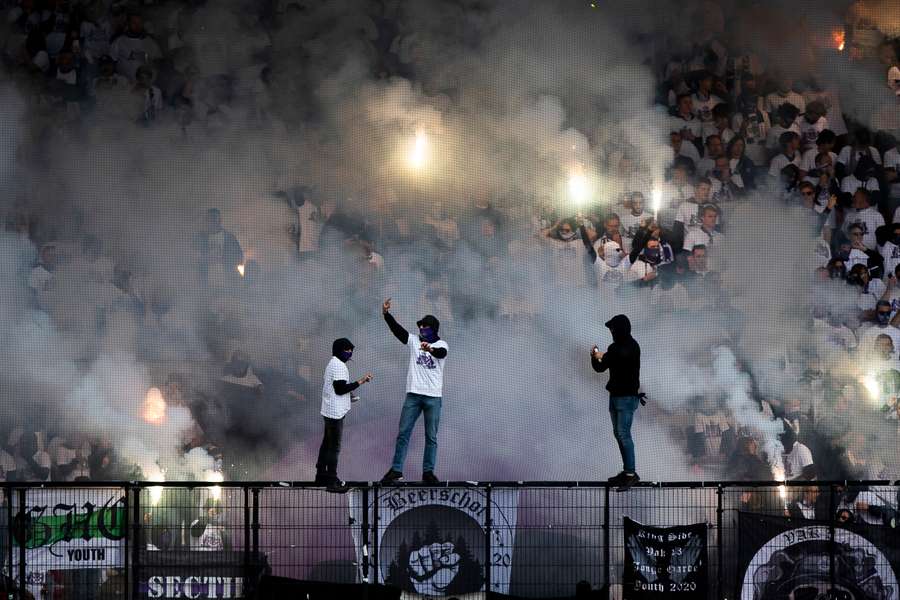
432	542
799	558
69	529
664	562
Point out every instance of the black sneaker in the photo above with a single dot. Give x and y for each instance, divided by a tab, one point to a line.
392	476
617	479
337	486
628	482
430	477
323	479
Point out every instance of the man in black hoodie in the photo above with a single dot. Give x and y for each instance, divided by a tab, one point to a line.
336	399
623	359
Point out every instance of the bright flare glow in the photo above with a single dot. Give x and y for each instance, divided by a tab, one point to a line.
579	188
156	491
782	491
240	269
154	409
656	197
215	492
870	382
838	36
418	154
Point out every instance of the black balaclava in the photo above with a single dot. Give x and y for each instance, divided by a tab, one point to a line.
342	349
620	327
428	328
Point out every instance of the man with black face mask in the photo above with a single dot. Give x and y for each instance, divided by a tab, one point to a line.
623	359
337	396
424	388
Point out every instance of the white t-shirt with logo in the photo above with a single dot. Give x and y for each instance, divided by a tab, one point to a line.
426	372
808	161
846	154
809	132
335	406
697	236
780	161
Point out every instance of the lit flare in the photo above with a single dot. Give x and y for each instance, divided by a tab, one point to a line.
153	410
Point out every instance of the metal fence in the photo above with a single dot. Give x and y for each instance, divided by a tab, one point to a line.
135	540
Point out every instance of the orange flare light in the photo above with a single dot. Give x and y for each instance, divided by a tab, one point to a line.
240	269
839	37
154	408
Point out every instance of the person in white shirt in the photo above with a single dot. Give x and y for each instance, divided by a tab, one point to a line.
687	122
789	142
424	390
882	324
337	396
645	269
703	103
632	220
785	95
681	147
714	149
798	460
812	124
825	141
863	177
41	276
611	263
706	233
892	171
860	146
134	48
867	217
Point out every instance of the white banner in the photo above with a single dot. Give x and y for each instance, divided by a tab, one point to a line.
432	541
66	529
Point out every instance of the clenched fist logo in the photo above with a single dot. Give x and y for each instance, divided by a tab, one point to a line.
433	567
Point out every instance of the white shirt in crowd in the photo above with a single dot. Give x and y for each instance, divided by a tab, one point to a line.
780	161
892	161
869	219
796	460
566	260
871	294
703	106
836	337
890	252
39	278
876	496
426	371
808	160
846	152
639	270
773	137
335	406
850	184
630	226
689	150
873	330
775	100
810	131
131	53
697	236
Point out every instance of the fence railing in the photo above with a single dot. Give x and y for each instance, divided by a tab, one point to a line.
99	540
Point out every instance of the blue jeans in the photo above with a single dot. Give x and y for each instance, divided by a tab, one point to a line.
412	407
621	412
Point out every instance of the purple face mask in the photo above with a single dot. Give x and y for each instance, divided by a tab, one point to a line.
427	334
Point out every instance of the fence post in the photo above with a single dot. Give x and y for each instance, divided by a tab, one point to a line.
10	523
831	533
127	543
23	541
606	581
255	518
138	545
364	533
720	574
487	539
247	573
375	540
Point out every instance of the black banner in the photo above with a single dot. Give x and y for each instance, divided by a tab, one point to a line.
664	562
197	574
800	558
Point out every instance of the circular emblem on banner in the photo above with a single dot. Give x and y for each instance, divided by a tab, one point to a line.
433	550
797	564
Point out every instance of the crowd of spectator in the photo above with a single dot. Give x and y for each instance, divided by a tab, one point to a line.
741	130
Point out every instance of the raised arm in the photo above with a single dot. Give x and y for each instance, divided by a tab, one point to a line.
395	327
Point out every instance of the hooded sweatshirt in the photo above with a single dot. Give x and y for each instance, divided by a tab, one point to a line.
622	358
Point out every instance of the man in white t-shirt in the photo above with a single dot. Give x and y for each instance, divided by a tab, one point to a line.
714	149
41	276
337	396
705	234
789	155
632	220
865	216
424	390
798	460
703	102
892	171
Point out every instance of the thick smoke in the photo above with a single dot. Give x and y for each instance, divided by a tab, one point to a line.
512	98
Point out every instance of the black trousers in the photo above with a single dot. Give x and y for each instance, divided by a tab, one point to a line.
326	466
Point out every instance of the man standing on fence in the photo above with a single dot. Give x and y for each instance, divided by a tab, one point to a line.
337	395
623	359
424	386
